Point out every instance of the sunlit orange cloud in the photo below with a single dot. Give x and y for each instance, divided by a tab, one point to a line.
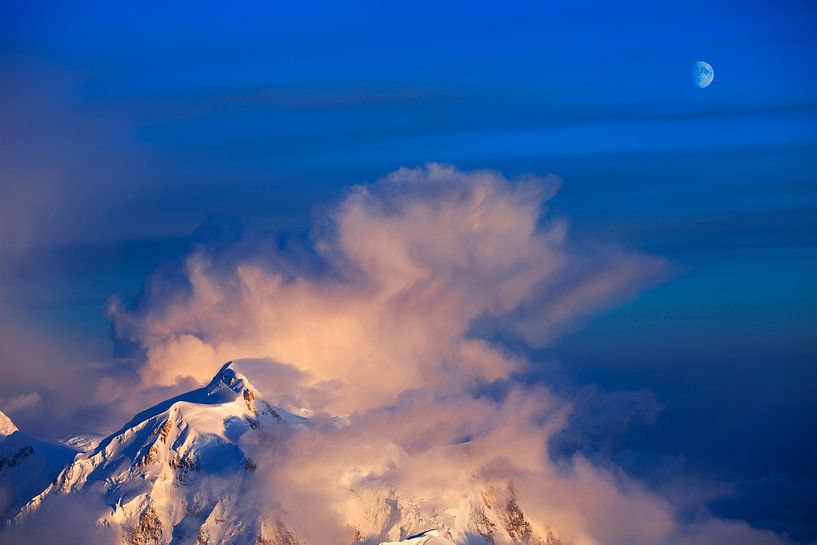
414	260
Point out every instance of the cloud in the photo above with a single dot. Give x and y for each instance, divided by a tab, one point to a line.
401	272
63	519
45	376
21	401
430	455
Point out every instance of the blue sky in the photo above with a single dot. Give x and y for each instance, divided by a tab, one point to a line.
126	127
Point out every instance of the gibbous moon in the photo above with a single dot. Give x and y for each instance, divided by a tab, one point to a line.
703	74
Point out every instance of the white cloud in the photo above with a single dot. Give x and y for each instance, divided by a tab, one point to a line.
18	402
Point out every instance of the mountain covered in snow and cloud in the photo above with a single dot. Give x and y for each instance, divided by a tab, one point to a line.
190	470
226	465
393	418
175	472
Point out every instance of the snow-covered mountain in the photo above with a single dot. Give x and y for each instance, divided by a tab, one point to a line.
27	466
190	471
178	471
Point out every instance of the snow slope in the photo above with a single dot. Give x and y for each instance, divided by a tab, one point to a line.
27	466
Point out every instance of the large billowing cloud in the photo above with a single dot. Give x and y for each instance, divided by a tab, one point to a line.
429	456
402	271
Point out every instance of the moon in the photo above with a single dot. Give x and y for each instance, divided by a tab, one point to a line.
702	74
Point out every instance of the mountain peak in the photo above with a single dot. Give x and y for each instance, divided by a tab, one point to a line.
7	427
157	464
230	377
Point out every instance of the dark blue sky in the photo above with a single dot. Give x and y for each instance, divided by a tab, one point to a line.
123	128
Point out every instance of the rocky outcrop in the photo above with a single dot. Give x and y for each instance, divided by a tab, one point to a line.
483	525
16	458
163	431
150	456
515	522
277	535
499	518
249	399
148	530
